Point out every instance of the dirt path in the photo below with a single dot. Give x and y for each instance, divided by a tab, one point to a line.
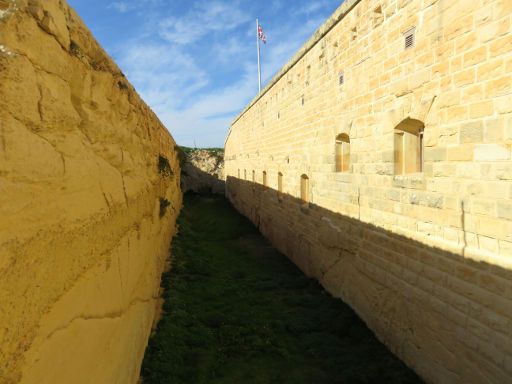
239	312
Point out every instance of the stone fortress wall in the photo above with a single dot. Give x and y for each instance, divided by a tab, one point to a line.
89	182
381	165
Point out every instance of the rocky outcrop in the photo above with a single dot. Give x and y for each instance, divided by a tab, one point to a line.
203	171
89	182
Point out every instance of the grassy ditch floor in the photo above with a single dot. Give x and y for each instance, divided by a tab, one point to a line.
237	311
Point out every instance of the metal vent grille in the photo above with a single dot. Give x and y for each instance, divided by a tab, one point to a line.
409	38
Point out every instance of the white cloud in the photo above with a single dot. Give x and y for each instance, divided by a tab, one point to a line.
121	6
127	6
204	18
163	74
207	118
197	90
231	50
310	8
171	82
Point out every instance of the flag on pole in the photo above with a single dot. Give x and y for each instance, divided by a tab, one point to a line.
261	35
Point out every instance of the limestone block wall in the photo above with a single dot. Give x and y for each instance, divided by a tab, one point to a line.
202	171
89	182
425	258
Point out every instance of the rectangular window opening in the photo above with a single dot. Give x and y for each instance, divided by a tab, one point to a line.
408	153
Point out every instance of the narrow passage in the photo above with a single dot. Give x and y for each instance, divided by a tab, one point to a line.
237	311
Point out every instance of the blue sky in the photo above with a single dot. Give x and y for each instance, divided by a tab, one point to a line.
194	62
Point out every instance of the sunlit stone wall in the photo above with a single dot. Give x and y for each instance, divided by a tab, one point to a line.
89	194
424	257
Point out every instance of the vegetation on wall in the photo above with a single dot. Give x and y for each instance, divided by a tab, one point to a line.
164	203
164	168
213	151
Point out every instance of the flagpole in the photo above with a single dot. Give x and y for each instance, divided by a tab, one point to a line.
258	48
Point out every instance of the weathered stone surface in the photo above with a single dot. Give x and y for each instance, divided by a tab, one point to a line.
491	152
83	235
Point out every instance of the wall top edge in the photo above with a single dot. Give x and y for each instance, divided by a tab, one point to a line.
338	15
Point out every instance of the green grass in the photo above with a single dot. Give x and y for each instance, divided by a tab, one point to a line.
237	311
